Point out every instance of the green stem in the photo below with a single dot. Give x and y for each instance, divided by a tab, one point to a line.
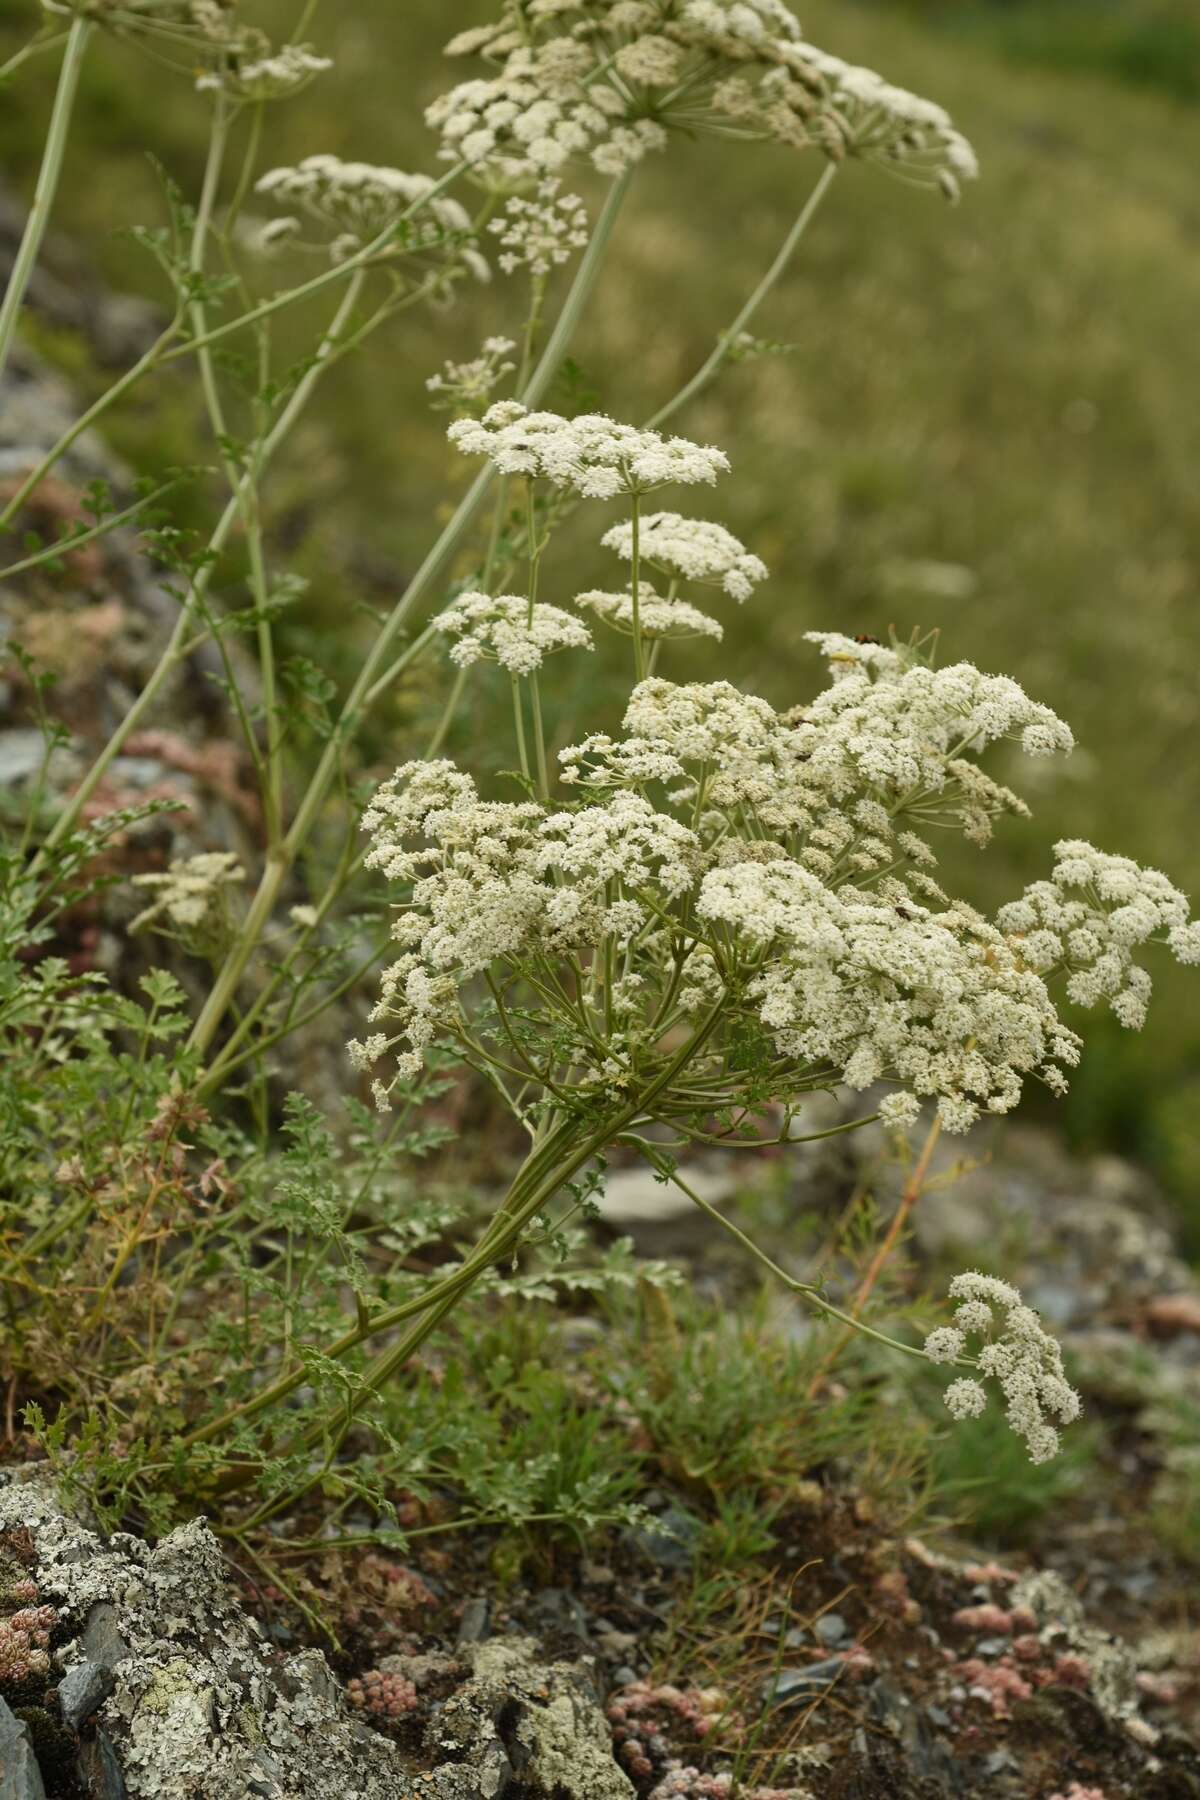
47	184
543	1172
639	655
726	341
519	722
177	645
158	354
318	787
804	1288
86	419
539	738
37	46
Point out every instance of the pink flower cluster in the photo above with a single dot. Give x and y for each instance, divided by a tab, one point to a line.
387	1696
25	1638
687	1783
639	1713
1003	1681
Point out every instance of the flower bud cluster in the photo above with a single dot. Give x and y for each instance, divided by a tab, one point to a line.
657	617
542	110
1023	1358
467	386
272	75
354	202
191	893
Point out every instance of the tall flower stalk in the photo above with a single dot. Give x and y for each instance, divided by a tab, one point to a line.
47	184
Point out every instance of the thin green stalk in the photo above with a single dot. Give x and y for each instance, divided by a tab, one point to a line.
158	355
178	645
37	46
352	265
47	184
67	546
805	1288
639	655
544	1171
519	723
447	719
726	341
539	738
314	797
87	419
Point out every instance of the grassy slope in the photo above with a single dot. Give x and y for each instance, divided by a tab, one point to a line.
1009	387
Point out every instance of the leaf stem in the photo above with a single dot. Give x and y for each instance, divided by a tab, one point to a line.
725	343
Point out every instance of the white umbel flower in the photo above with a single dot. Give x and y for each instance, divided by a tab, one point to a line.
540	233
191	893
498	628
692	550
591	454
277	76
467	386
1023	1359
1091	916
612	79
354	202
657	617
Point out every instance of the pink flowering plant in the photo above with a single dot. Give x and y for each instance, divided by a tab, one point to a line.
669	933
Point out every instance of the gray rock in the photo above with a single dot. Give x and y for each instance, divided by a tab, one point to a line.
200	1708
20	1777
670	1541
100	1771
830	1628
803	1684
85	1686
518	1720
102	1637
474	1622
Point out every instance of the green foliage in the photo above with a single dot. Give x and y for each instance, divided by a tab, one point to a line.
1146	43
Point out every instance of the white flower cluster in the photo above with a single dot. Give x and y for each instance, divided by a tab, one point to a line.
812	97
541	232
544	108
191	892
611	78
274	76
590	454
1091	916
691	550
206	25
895	724
846	981
497	881
499	628
790	884
657	617
354	202
1024	1359
467	386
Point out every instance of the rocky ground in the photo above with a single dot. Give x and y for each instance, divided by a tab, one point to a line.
855	1661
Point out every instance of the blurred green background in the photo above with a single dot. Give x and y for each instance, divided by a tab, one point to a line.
987	421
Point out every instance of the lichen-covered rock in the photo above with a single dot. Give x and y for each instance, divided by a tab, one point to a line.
201	1708
518	1724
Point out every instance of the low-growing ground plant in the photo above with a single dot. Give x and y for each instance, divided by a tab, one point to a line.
666	935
